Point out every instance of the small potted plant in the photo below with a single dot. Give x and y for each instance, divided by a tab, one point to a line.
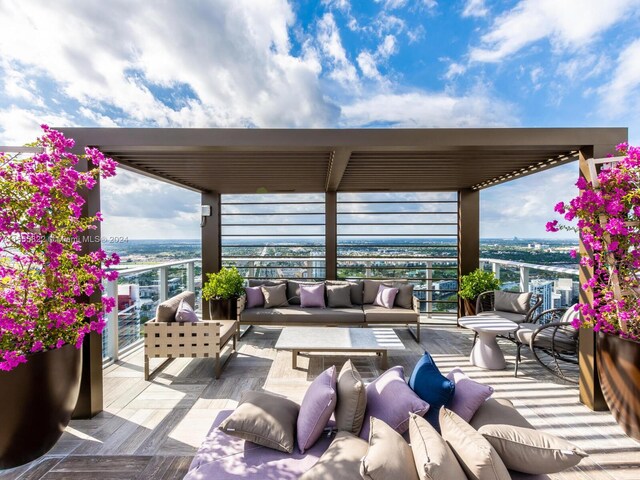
50	291
473	284
222	291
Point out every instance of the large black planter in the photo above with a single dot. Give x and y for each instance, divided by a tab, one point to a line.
223	309
37	399
618	361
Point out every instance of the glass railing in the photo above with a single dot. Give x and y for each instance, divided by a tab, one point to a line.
558	285
138	291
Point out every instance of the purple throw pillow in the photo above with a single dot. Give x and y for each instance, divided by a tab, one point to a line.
312	296
185	313
468	395
391	400
255	298
317	406
386	296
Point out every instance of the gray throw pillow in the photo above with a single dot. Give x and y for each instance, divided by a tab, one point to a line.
275	296
339	296
264	419
404	297
352	399
512	302
356	289
371	288
166	311
340	460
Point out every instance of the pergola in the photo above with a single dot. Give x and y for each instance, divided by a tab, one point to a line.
220	161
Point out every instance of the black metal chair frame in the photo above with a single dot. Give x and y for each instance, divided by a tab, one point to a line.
557	354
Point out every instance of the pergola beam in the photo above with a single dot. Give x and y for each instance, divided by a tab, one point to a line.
337	166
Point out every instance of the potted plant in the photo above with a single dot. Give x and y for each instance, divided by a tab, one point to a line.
45	283
473	284
222	291
606	212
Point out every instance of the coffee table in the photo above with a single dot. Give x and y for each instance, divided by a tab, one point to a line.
486	352
339	339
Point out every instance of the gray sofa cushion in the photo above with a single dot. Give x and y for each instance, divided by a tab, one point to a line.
404	298
339	296
562	341
166	311
293	291
269	283
356	289
376	314
275	296
370	288
514	317
312	316
512	302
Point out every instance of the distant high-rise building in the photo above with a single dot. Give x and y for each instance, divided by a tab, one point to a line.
544	288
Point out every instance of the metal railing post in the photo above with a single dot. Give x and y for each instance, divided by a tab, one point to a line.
429	286
524	279
112	322
191	277
163	285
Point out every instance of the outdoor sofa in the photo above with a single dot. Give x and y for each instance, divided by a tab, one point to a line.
361	313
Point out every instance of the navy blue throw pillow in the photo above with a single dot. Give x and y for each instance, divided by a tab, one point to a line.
432	387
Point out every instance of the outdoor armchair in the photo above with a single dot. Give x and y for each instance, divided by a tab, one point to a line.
553	342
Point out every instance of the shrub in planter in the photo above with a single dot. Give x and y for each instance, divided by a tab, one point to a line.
222	290
473	284
45	284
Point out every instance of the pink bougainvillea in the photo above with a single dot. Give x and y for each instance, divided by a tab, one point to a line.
607	216
45	278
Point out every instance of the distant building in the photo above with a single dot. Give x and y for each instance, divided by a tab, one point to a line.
128	295
544	288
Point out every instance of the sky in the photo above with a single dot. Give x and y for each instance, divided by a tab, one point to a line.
329	63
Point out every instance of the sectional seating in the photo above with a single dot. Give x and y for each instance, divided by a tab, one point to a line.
359	309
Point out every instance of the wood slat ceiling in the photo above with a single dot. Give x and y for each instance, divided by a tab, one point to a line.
316	160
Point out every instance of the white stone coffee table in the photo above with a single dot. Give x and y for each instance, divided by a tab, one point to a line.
486	352
338	339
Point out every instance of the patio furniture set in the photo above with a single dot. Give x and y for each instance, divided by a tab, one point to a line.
549	334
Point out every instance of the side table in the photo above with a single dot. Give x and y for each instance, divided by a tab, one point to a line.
486	352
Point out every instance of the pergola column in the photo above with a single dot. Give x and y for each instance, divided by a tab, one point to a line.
211	238
590	391
468	234
90	401
331	235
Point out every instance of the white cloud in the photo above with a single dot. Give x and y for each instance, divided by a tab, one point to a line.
569	24
475	8
269	86
620	94
20	125
392	4
529	205
454	70
330	42
368	65
416	34
424	109
388	47
342	5
535	74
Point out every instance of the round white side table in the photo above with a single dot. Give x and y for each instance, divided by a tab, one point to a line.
486	352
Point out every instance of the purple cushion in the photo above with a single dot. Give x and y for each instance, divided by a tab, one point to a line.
312	296
255	298
386	296
317	406
390	399
468	396
185	313
224	457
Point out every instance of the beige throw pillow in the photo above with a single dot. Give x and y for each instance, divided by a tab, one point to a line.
352	399
477	457
265	419
433	458
389	457
530	451
340	460
498	411
275	296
